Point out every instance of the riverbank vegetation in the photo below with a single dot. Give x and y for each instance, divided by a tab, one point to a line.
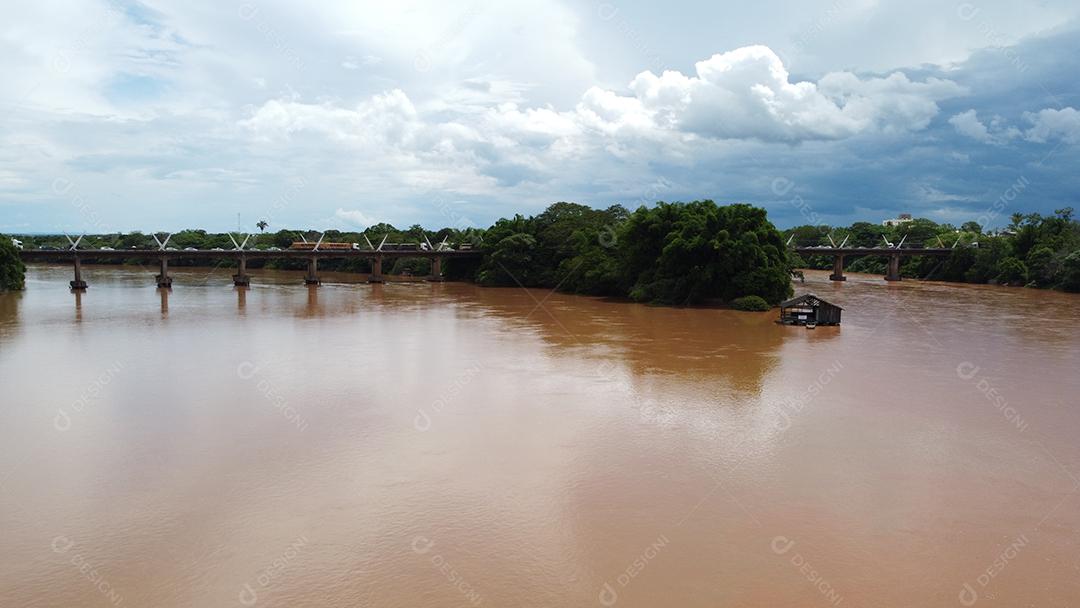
671	253
1033	250
12	270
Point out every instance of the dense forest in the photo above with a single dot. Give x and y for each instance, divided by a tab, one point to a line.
1033	250
12	271
669	253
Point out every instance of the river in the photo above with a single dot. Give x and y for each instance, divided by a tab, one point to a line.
424	445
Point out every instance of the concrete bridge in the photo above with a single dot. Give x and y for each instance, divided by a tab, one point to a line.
893	253
241	256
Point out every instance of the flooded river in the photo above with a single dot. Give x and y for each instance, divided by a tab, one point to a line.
433	445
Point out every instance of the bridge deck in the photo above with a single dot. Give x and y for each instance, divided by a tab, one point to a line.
873	251
251	254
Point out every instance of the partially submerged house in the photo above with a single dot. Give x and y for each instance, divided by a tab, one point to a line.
809	308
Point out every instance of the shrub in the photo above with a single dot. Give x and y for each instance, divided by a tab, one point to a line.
1012	271
750	303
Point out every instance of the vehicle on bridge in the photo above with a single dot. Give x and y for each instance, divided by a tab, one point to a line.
306	246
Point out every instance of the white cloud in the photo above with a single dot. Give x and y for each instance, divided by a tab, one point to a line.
748	93
930	194
968	124
743	94
386	118
355	218
1050	124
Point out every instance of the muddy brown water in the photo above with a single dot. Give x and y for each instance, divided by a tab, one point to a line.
448	445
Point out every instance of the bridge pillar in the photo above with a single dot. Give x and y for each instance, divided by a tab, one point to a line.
837	269
163	279
376	275
241	278
894	268
436	269
312	277
78	284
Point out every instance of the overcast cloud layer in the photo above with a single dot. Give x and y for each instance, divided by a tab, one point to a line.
164	115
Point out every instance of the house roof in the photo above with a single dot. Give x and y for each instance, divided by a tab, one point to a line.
808	299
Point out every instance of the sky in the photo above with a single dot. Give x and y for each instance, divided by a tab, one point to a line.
169	114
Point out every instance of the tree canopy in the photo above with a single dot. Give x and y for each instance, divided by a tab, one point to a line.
12	270
1035	250
673	253
678	253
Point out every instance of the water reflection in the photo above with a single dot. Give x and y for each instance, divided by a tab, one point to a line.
241	299
164	293
9	311
312	309
694	343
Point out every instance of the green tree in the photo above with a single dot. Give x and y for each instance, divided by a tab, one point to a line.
1070	272
261	225
1015	220
688	253
12	269
512	261
920	232
1012	271
865	234
494	270
1041	266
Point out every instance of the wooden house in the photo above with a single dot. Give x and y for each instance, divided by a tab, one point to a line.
809	308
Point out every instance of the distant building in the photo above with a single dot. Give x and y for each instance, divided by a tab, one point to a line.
903	219
809	308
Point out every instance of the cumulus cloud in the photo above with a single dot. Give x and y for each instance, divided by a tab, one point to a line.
997	132
355	217
968	125
742	94
748	93
1050	124
386	117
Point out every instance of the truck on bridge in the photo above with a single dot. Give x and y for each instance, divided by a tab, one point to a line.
306	246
